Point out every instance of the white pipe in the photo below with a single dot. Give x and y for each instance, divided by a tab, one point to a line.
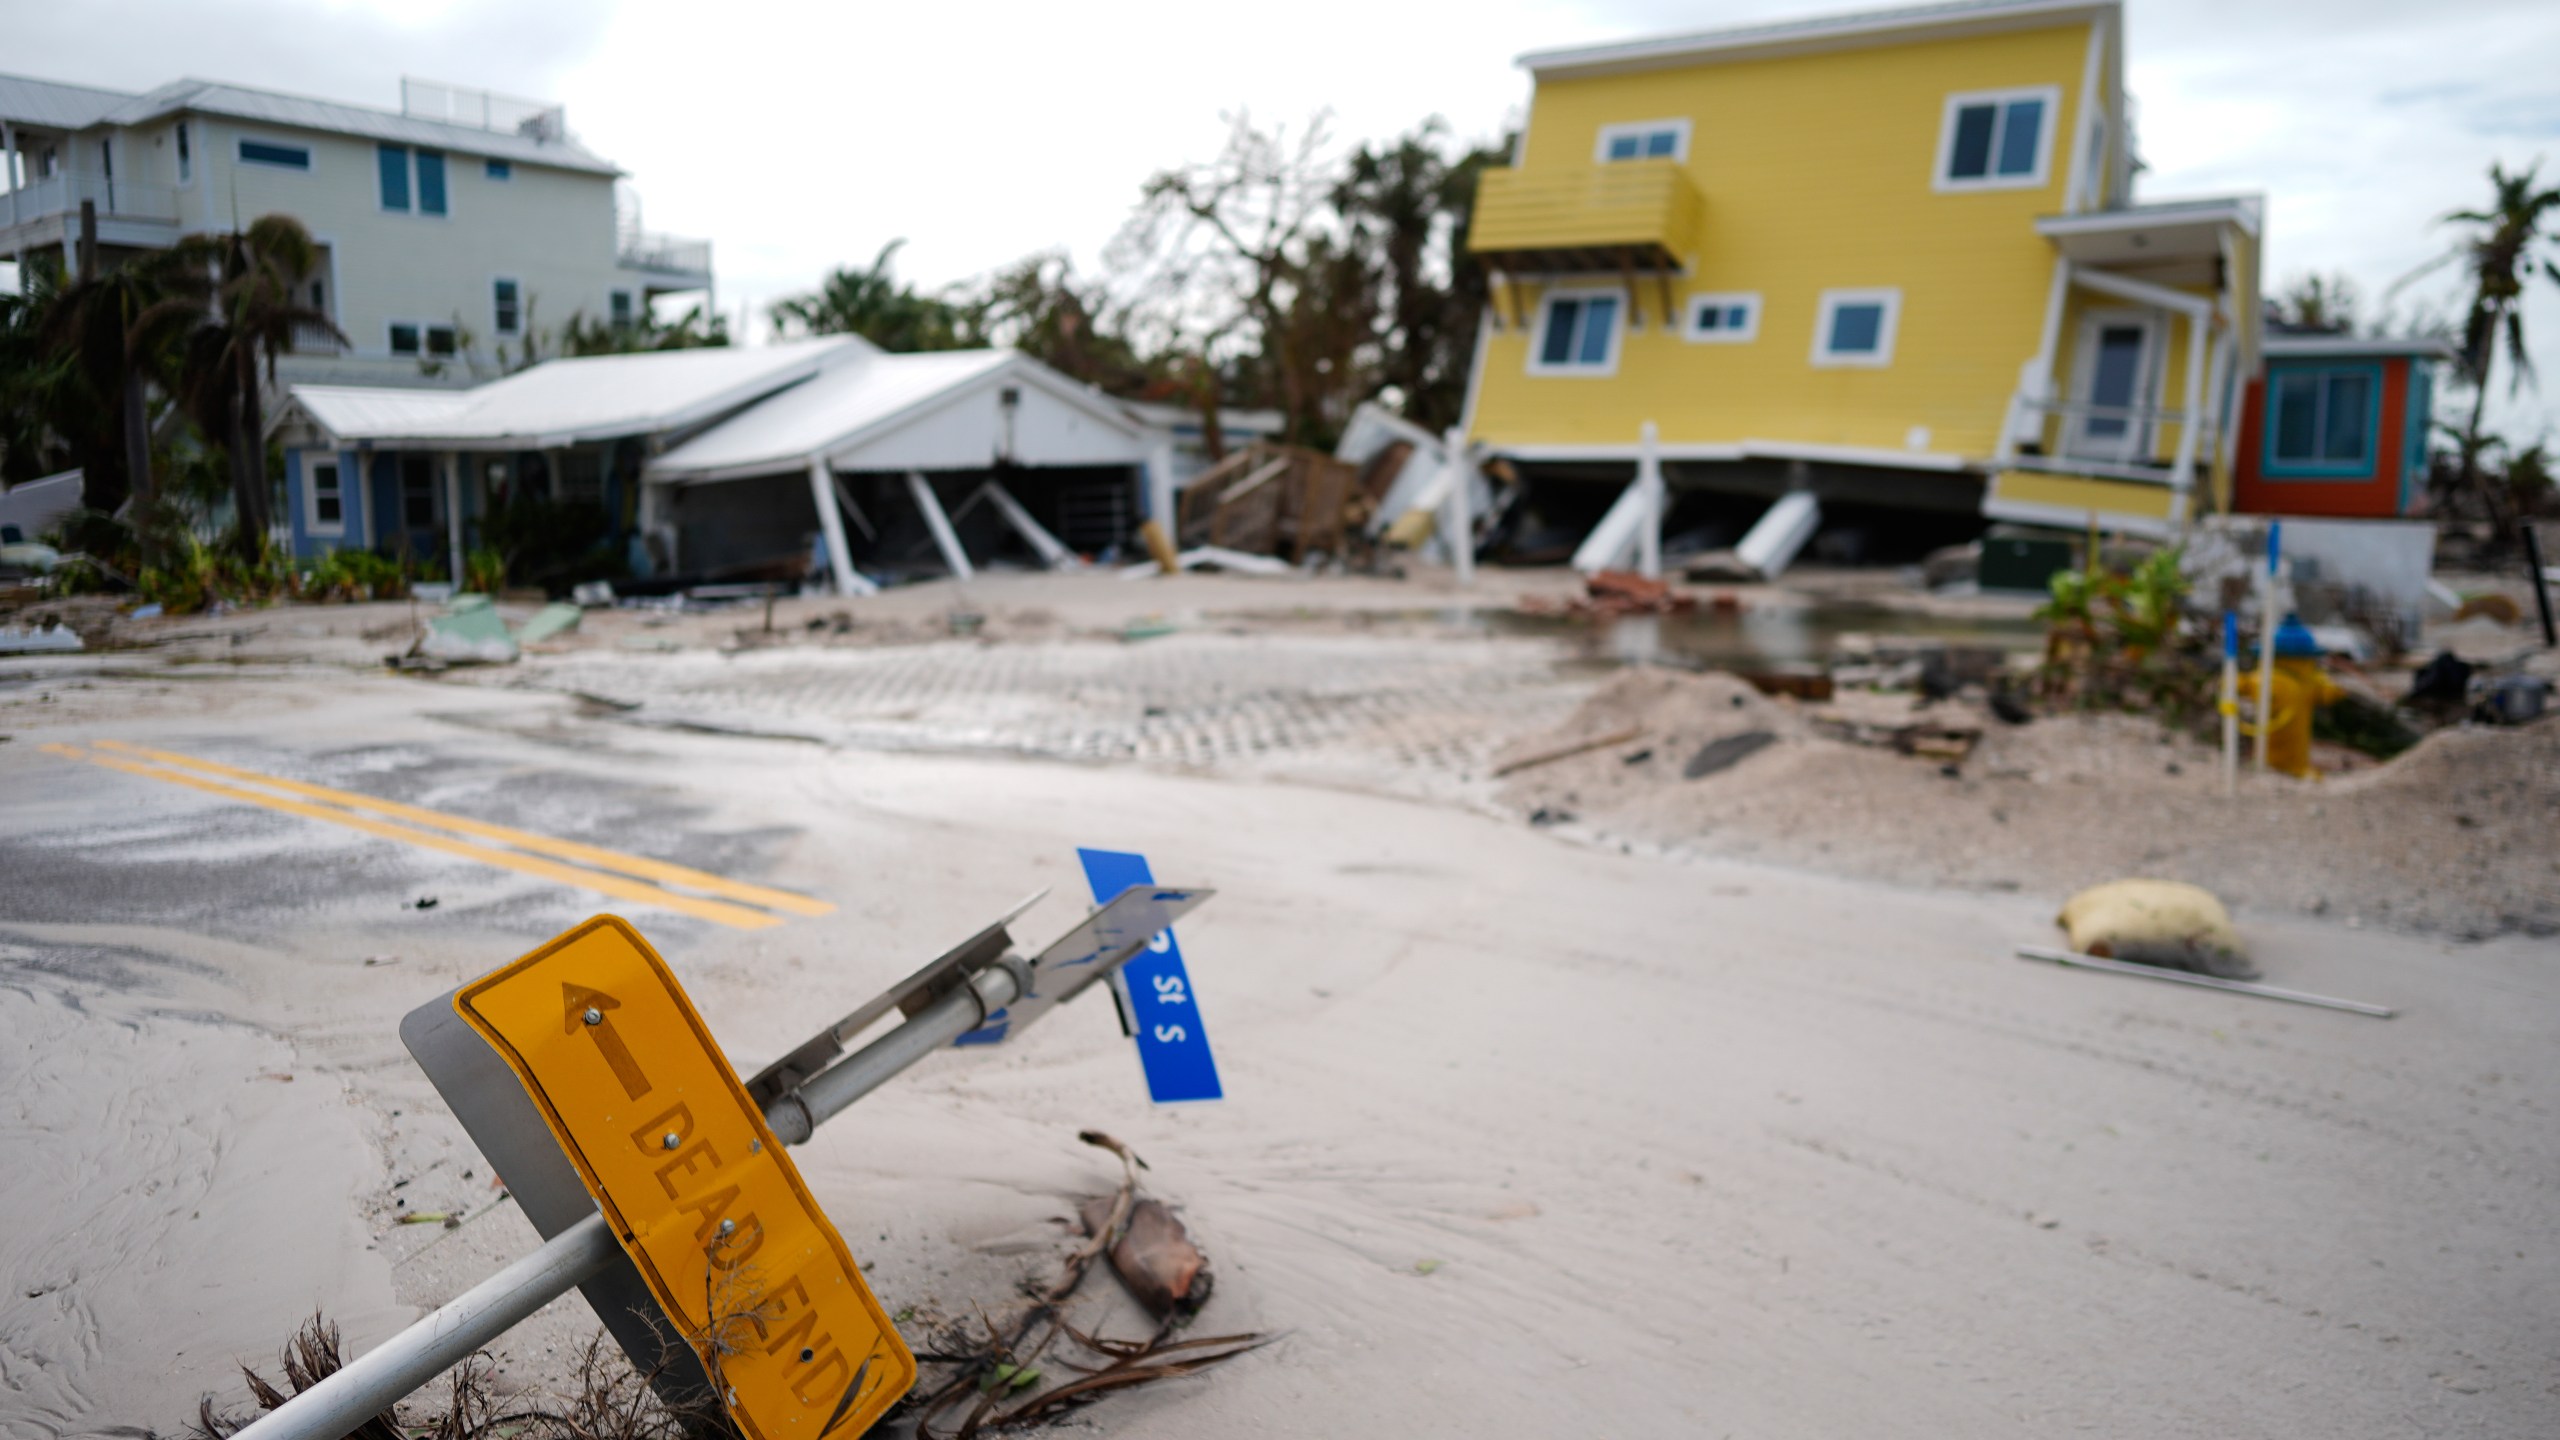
944	539
1649	486
822	489
1456	505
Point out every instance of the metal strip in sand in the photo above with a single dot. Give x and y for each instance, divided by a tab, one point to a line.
639	866
717	911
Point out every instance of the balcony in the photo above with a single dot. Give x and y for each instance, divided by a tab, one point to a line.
1633	217
665	262
129	212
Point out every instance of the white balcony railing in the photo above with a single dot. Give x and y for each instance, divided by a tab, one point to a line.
116	199
2123	442
646	250
315	340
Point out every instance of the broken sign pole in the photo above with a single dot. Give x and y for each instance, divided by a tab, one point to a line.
956	995
2078	961
945	539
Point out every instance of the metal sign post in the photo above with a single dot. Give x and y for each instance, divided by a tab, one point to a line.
549	1095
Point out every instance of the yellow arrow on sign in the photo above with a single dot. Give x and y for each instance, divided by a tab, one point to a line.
698	1190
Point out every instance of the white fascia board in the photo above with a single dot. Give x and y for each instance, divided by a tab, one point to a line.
1628	452
2064	517
1016	368
2300	347
1839	32
1856	455
2241	210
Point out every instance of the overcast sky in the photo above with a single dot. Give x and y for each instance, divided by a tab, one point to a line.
798	136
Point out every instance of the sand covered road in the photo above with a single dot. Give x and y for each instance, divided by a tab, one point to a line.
1696	1146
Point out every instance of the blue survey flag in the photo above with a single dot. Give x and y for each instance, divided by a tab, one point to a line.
1164	1014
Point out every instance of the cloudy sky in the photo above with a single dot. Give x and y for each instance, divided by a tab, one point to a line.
803	135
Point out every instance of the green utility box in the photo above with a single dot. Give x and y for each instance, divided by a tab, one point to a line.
2024	562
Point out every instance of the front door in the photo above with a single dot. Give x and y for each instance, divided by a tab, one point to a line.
2118	351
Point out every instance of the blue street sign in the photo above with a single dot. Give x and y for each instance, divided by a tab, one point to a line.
1173	1045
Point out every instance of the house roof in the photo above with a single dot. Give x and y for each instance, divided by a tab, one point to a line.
1821	32
2309	347
28	101
563	402
53	105
2246	211
858	401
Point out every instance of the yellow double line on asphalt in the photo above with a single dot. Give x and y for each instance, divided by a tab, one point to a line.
590	867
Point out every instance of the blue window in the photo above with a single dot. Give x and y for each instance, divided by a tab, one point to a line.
498	169
1581	334
430	182
2322	421
1644	140
507	306
1724	319
283	157
393	160
1856	327
1995	140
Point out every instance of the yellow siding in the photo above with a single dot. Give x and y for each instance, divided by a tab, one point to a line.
2075	492
1816	173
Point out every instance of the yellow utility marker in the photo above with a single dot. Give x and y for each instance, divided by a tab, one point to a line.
619	886
639	865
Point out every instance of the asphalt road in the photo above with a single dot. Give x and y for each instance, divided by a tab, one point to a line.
1689	1148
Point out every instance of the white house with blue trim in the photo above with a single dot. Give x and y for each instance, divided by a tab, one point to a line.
453	232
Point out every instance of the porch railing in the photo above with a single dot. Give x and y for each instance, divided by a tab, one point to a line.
116	199
2124	442
648	250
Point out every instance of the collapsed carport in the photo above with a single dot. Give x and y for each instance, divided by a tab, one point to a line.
892	461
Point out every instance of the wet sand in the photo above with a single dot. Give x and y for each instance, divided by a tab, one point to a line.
1697	1145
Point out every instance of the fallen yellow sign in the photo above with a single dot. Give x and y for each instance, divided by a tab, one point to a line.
710	1209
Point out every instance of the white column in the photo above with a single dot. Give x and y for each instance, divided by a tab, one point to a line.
1649	483
9	172
1160	493
822	489
453	515
1457	516
2182	475
940	524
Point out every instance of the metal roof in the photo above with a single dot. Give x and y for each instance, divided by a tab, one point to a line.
853	402
1821	32
25	100
2302	347
563	402
28	101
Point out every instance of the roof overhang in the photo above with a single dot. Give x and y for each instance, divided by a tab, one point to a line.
2348	347
1801	37
2145	234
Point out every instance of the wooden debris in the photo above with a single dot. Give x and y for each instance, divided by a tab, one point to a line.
1565	751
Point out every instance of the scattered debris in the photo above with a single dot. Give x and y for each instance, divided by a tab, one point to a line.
2210	982
550	620
427	902
1608	594
1935	740
468	633
38	638
374	960
2514	699
591	595
1552	753
2157	922
1425	1267
1726	753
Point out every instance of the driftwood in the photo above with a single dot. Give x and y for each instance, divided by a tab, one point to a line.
1268	499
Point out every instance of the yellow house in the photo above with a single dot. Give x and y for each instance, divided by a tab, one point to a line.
1891	258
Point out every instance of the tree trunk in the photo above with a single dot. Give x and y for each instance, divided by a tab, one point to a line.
249	462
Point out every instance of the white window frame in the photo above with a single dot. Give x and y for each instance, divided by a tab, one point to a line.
1679	146
310	151
312	524
1576	369
496	327
1825	358
1957	103
1750	331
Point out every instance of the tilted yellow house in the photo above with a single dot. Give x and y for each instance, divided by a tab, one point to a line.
1890	257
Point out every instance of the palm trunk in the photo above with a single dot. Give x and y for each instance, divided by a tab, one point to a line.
249	462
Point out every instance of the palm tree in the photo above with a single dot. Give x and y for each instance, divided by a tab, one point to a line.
874	305
33	379
92	325
2502	254
230	311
